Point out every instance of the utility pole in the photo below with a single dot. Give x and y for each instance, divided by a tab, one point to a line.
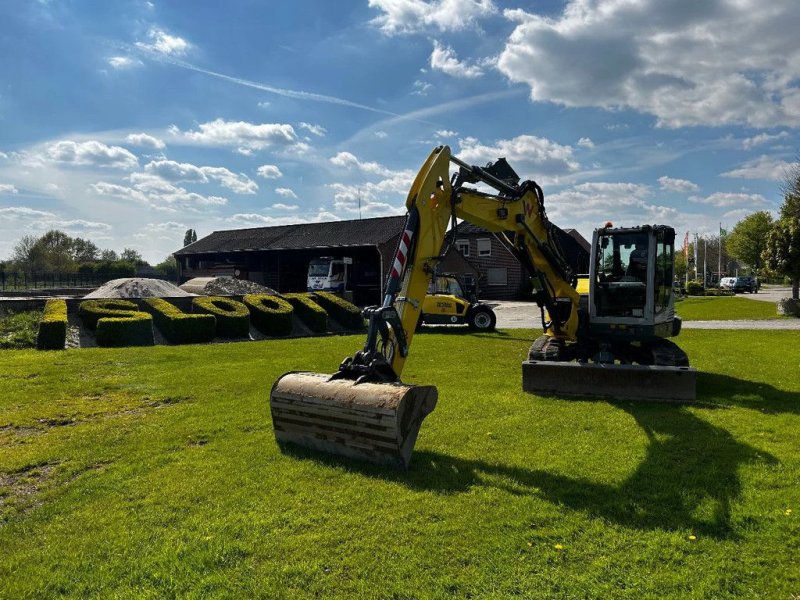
719	260
705	262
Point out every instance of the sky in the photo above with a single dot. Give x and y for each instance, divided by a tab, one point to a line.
129	121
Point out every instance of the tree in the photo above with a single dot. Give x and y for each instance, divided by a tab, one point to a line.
132	256
27	255
168	268
56	247
748	240
109	255
84	250
189	237
782	253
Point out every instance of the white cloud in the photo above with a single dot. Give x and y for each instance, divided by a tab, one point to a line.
142	139
585	142
677	185
164	43
444	59
124	62
349	161
381	135
245	137
715	62
269	172
723	199
317	130
762	167
285	192
170	170
410	16
29	218
3	156
155	192
174	172
168	226
280	206
445	133
8	188
17	212
258	220
91	153
421	88
537	156
763	138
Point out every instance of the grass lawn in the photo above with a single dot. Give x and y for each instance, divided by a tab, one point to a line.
18	330
153	472
724	308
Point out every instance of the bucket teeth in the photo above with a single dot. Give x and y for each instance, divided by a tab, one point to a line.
375	422
630	382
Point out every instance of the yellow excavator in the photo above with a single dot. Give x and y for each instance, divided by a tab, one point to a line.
609	342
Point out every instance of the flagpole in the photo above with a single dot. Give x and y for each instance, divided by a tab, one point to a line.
705	262
719	259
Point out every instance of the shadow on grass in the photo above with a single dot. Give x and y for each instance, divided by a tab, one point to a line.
723	390
687	479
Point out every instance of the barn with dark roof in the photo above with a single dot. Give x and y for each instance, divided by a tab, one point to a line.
278	256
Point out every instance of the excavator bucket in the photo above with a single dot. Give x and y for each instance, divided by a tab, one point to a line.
628	382
374	422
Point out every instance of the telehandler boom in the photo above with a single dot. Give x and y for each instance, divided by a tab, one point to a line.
611	342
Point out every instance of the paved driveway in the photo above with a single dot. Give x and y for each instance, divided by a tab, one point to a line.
525	315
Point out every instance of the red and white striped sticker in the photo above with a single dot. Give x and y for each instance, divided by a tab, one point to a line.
402	253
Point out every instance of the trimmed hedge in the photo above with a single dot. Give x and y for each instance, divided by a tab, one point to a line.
271	315
52	333
311	313
695	288
91	311
346	313
136	330
117	322
180	327
233	318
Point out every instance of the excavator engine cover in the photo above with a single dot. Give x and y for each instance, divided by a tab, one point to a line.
374	422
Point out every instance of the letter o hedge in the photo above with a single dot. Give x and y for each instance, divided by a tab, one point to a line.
271	315
347	313
233	318
311	313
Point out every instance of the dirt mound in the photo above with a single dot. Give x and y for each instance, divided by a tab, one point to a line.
225	286
137	287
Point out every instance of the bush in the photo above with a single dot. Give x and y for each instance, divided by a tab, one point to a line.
788	306
136	330
233	318
311	313
346	313
695	288
271	315
91	311
117	322
180	327
52	333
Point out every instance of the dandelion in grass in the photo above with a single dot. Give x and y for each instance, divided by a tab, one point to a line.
692	538
558	547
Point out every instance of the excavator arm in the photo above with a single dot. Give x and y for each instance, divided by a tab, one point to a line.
434	200
363	410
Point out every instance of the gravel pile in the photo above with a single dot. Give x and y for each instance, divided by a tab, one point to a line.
137	287
225	286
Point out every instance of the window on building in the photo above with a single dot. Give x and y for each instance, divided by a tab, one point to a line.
484	247
497	276
463	247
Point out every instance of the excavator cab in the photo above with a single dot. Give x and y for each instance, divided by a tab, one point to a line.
631	275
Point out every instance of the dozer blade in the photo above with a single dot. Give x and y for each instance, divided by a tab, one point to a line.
374	422
629	382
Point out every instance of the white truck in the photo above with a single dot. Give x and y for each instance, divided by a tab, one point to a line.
327	274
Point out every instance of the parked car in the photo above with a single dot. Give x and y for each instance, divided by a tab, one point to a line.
726	283
745	284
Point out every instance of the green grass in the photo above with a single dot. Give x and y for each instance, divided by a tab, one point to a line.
153	472
724	308
18	330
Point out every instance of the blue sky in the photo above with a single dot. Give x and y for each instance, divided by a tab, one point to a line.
128	122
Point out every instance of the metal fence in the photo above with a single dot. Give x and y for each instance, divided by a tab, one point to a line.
12	281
